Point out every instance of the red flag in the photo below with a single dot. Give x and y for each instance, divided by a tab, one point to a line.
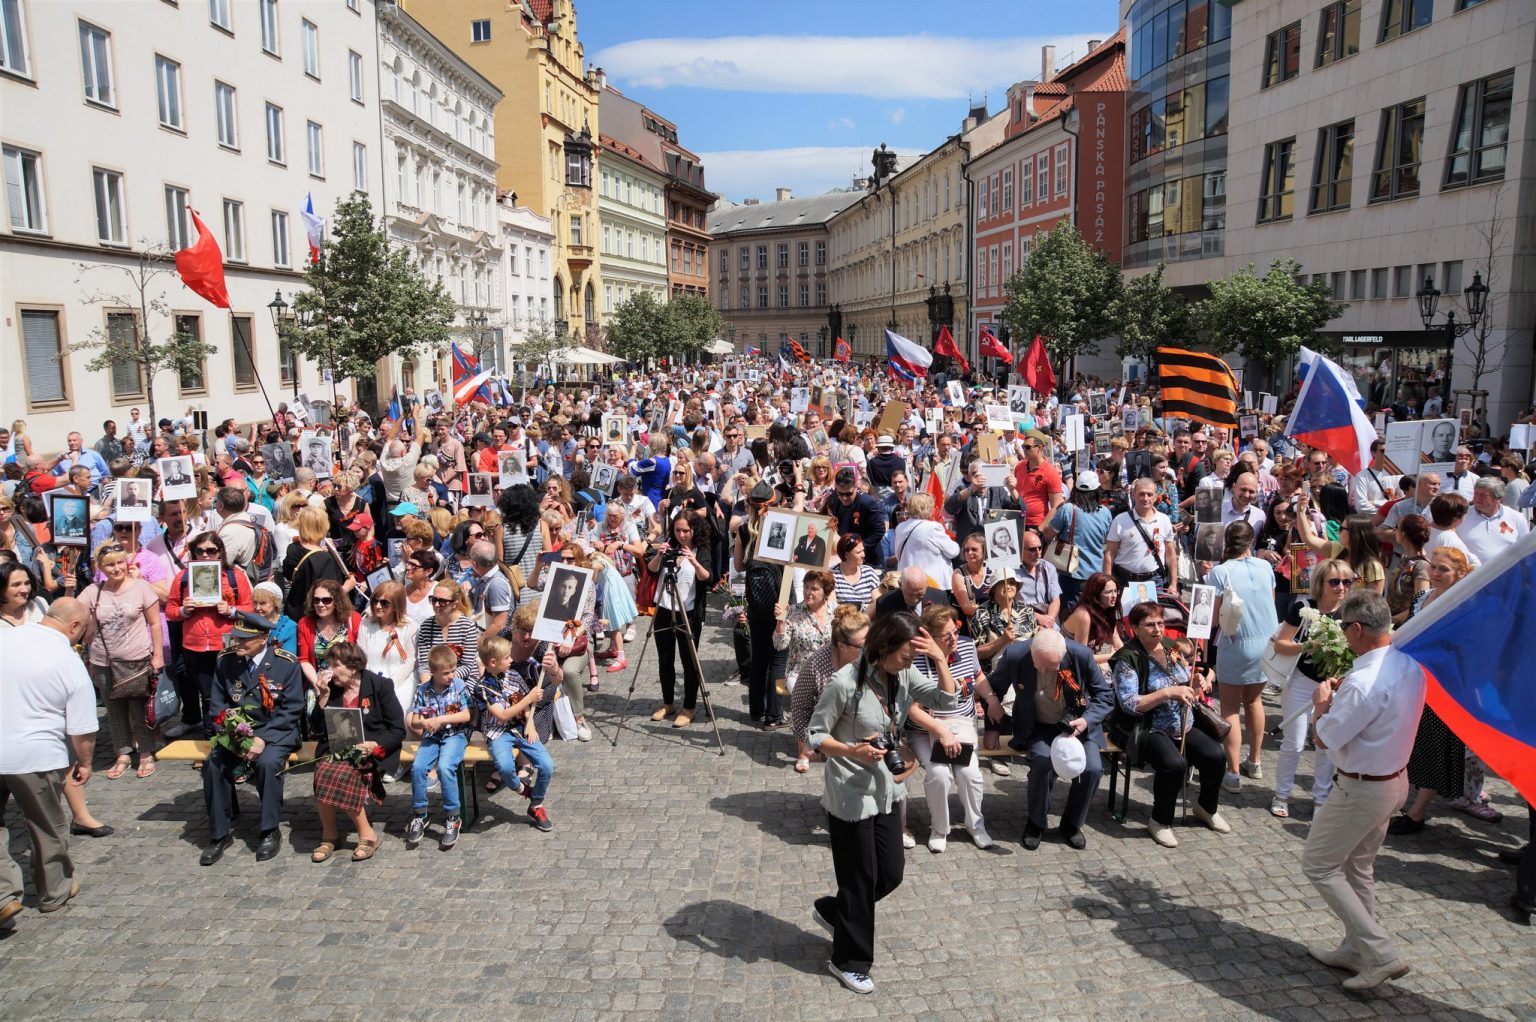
202	266
945	345
935	489
994	348
1036	368
841	351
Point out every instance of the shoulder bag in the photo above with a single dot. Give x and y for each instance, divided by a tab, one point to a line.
1157	558
126	679
1063	553
1232	606
514	569
1125	729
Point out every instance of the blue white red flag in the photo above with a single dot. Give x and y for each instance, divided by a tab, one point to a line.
1327	418
899	372
1474	644
469	380
314	226
1307	356
752	349
394	404
912	357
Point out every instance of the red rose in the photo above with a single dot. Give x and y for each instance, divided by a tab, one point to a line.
219	720
377	752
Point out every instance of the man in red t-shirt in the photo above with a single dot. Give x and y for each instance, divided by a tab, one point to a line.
1038	480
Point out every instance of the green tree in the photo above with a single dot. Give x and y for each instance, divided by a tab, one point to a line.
1065	292
1265	319
537	345
366	299
1149	315
137	286
692	322
640	328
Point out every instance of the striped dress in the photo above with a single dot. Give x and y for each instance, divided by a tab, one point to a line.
463	633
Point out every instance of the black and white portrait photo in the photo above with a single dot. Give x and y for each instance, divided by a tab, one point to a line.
344	726
396	552
434	401
512	467
203	583
955	390
1018	398
1202	612
776	536
1002	538
615	429
1130	418
69	517
479	492
1210	540
1439	445
316	450
1098	404
564	595
176	479
604	478
133	500
279	461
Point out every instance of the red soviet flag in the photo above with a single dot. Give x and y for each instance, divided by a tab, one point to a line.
992	347
945	345
202	266
1036	368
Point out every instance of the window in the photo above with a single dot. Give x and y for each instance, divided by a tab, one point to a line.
805	295
981	198
1402	281
360	172
1282	55
352	5
24	190
1398	151
576	230
1462	5
218	14
783	296
805	253
997	195
821	253
1450	277
762	257
1275	184
127	373
240	348
168	92
42	357
96	65
275	146
316	140
1338	32
1331	172
224	115
13	43
578	168
480	31
192	378
1007	259
1042	176
1379	283
267	9
783	256
1061	170
746	258
177	226
762	296
309	36
1480	135
287	361
234	231
1008	190
1399	17
355	75
1357	285
279	238
1027	187
111	228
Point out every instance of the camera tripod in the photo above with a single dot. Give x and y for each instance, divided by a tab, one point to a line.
684	635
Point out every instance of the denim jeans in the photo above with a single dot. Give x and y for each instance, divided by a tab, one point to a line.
504	750
445	753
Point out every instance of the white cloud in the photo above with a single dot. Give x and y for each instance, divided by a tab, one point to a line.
841	124
884	67
806	170
897	116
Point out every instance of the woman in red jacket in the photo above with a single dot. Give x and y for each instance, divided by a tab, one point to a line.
328	618
203	628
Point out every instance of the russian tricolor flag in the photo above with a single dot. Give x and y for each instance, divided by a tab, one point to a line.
912	358
1327	418
1475	646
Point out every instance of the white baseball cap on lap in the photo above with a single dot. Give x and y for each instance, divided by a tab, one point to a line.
1068	758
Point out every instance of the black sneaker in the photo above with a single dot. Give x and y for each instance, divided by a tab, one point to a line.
451	828
415	830
540	817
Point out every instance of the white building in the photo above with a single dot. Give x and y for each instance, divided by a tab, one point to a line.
527	240
440	185
632	208
116	118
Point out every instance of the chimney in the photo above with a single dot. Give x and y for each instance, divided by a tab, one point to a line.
1047	63
602	79
782	195
749	202
1094	44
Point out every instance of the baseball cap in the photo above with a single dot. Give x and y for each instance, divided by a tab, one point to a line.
362	521
1088	481
404	508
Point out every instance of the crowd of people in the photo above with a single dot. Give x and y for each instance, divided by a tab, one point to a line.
950	588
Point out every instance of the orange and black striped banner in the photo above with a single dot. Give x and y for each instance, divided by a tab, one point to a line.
1198	386
800	353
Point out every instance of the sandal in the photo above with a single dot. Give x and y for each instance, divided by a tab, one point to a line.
802	765
493	783
1479	810
146	767
119	768
323	851
365	850
1280	808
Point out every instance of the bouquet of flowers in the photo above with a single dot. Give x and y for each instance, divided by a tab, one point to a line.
1325	644
235	733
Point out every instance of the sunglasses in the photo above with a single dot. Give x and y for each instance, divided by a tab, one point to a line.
122	528
1341	583
440	601
382	603
205	550
475	535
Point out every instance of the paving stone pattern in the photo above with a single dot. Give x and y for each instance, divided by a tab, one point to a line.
678	884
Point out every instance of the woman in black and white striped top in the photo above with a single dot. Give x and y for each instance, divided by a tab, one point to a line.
951	729
855	580
450	623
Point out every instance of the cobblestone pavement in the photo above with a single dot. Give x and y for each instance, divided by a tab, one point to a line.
678	884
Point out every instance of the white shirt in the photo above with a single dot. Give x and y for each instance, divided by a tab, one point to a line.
1252	514
1375	714
1461	483
1367	490
1447	538
1486	537
47	696
1133	554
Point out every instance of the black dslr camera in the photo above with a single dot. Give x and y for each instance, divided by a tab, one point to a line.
890	744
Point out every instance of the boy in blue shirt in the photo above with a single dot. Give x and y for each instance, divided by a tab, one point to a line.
509	702
439	716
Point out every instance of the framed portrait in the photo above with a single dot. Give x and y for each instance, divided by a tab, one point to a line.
933	421
1098	404
203	588
1082	460
433	399
1002	544
1202	612
344	726
1101	443
70	518
565	592
799	399
1132	593
1130	420
754	375
604	478
817	398
300	407
512	468
279	461
955	391
1303	561
1210	541
999	417
776	538
477	491
132	500
1138	465
1208	504
315	450
396	551
1437	445
176	479
1247	426
1019	398
615	429
815	541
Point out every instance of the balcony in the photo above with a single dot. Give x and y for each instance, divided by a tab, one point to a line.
578	257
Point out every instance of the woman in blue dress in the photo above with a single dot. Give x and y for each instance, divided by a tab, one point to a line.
1239	676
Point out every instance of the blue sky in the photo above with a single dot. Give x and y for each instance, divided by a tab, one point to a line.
797	93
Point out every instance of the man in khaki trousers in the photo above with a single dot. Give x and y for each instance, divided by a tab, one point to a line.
1367	722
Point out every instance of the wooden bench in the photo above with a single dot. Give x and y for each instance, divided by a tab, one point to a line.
1115	762
187	750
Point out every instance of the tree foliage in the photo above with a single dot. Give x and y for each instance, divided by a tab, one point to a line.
692	322
137	286
538	343
640	328
1265	319
366	299
1065	292
1149	315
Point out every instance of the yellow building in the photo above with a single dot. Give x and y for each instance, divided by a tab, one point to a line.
546	128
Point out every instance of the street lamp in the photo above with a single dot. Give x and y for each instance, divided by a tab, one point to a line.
1477	304
282	323
883	161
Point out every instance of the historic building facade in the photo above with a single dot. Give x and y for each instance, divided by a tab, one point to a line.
632	202
527	243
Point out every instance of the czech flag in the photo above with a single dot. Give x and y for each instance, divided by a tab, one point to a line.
991	347
314	226
469	380
752	349
945	345
1326	417
1474	645
912	358
841	351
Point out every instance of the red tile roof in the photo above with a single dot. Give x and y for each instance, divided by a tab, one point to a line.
543	10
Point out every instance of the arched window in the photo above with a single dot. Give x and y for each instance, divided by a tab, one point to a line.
591	303
559	299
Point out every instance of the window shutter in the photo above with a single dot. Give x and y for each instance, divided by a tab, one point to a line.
240	335
40	341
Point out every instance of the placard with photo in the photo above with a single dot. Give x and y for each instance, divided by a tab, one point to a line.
1082	460
1437	445
512	468
1269	404
69	517
799	399
1208	503
479	491
1210	541
383	573
1247	426
1132	593
203	589
605	478
1401	448
132	497
933	421
396	548
1102	443
176	479
1202	612
994	472
1002	545
775	540
1130	420
1098	404
279	461
315	449
955	391
815	541
1000	417
1020	398
1303	561
615	429
564	596
433	399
